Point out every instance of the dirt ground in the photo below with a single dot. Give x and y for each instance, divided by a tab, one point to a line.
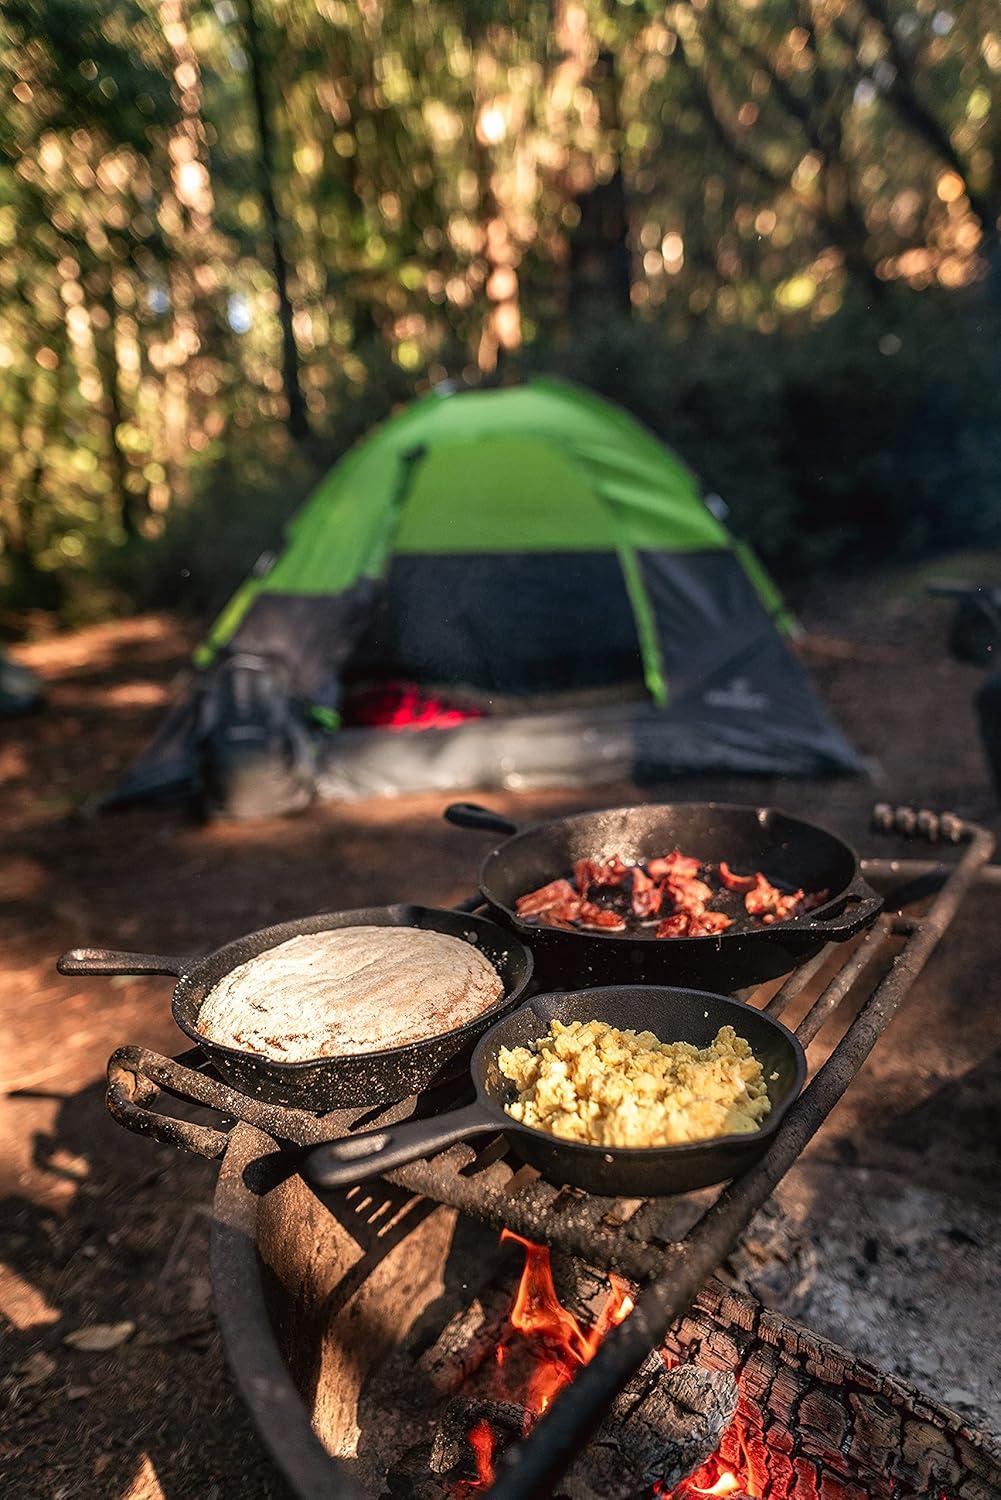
887	1226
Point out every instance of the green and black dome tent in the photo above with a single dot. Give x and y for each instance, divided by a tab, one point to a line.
536	555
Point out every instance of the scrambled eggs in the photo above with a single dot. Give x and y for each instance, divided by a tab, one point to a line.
604	1087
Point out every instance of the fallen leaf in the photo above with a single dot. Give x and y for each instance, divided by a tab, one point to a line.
36	1368
100	1336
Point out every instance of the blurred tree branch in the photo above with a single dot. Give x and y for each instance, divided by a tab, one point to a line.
902	90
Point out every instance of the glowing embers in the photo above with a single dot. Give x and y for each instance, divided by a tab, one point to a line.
481	1440
730	1471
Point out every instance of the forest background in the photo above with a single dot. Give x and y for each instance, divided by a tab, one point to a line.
235	233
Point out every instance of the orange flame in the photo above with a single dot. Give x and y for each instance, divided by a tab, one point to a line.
721	1474
726	1484
560	1346
538	1314
481	1439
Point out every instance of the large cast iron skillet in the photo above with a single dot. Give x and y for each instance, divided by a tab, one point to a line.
788	850
673	1015
331	1082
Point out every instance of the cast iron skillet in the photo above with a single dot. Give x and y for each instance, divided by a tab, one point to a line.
673	1015
786	849
330	1082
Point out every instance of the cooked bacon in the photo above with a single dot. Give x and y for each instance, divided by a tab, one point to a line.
564	911
676	926
600	916
600	872
708	923
689	895
762	897
787	906
545	898
769	903
647	895
675	863
644	891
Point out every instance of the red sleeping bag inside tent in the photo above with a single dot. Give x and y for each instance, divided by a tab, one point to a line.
404	705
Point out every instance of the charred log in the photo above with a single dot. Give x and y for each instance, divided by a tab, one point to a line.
663	1425
816	1421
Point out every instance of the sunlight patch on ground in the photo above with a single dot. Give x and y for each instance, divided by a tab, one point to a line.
22	1304
98	646
138	694
146	1485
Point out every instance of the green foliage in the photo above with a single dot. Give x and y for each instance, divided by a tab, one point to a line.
234	232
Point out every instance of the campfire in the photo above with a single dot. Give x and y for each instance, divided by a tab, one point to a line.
539	1351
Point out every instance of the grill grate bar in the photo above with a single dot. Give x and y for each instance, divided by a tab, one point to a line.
564	1218
830	998
798	981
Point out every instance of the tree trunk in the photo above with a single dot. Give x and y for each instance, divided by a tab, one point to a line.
132	506
846	224
600	268
298	420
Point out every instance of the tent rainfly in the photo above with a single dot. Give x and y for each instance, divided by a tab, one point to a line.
536	559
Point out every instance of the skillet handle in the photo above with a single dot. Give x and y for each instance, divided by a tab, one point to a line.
135	1078
858	907
106	961
482	819
340	1164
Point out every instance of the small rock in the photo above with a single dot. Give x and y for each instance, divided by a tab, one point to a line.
77	1392
100	1336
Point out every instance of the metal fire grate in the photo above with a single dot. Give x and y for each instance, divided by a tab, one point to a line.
633	1237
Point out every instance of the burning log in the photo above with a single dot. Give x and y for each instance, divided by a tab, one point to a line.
466	1341
663	1425
503	1360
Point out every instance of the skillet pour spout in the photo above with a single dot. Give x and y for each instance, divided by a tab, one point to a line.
673	1015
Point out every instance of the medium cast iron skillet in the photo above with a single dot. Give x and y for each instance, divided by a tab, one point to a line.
787	850
330	1082
673	1015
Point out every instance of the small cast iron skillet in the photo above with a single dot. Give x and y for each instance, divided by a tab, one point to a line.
329	1082
786	849
673	1015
